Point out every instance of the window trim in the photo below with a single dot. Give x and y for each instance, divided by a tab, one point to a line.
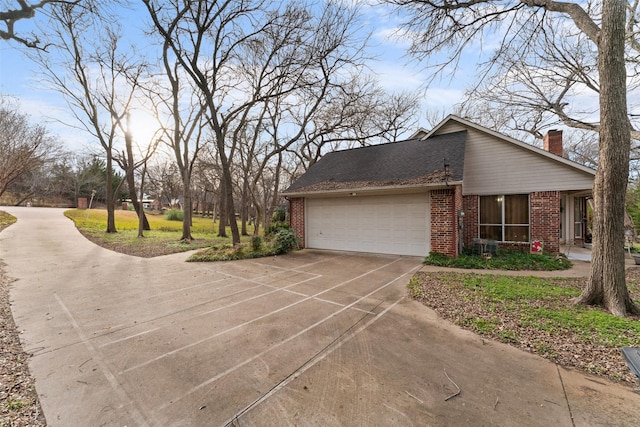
503	225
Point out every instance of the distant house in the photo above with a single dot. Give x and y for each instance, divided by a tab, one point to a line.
442	189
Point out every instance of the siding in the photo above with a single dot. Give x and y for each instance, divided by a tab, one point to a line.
494	166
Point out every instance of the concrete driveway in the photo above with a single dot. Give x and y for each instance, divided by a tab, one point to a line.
310	338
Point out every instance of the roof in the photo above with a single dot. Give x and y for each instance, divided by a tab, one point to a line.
407	163
422	134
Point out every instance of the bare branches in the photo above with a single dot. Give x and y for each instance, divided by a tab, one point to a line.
25	10
25	147
542	81
579	16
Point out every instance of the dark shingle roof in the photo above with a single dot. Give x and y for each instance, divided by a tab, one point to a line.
399	163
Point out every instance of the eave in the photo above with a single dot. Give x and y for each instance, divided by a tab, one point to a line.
373	191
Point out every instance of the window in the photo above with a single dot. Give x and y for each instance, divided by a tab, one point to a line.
505	218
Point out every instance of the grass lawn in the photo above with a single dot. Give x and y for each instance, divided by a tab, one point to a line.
6	220
163	239
536	315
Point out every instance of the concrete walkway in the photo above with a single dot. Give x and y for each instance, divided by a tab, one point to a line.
311	338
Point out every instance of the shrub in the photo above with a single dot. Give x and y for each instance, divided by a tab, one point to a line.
285	241
174	215
505	260
276	227
279	215
256	243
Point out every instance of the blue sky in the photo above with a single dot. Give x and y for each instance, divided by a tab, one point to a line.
19	77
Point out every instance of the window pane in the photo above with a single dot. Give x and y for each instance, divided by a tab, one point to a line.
490	210
517	233
516	209
491	232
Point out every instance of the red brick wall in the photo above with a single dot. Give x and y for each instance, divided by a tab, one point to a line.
552	142
470	205
296	218
458	207
444	222
544	223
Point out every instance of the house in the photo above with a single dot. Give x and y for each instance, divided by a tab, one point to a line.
440	190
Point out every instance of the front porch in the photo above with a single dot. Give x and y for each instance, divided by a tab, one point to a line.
578	253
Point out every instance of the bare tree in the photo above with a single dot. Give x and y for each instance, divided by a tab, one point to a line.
164	182
357	112
93	77
183	133
23	10
544	81
25	146
445	24
129	163
239	55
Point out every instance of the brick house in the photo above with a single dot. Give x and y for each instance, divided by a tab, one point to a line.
440	190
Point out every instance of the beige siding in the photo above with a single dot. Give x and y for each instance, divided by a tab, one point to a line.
495	166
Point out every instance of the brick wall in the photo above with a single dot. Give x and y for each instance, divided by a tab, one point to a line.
470	205
444	221
296	218
552	142
545	219
458	207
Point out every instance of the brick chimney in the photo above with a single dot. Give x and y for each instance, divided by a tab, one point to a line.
552	142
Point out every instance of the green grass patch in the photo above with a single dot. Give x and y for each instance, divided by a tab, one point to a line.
415	288
589	323
509	288
505	260
6	220
15	404
481	325
163	238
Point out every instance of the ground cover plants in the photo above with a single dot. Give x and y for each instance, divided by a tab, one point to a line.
279	241
536	315
505	260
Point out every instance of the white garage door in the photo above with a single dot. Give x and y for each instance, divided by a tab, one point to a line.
380	224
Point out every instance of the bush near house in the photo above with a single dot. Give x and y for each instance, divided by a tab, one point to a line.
505	260
280	243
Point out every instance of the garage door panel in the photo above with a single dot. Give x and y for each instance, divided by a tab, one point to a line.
381	224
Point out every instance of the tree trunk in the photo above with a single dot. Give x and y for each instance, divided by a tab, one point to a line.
258	219
228	185
606	285
187	210
222	225
134	200
130	176
244	215
141	215
111	215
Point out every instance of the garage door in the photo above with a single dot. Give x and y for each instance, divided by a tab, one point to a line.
380	224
